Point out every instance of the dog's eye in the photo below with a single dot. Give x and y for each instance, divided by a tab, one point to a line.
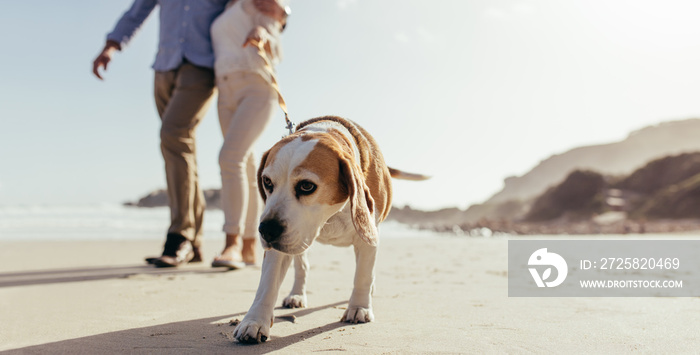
267	183
305	187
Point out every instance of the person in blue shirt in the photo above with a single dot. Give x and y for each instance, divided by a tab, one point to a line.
183	88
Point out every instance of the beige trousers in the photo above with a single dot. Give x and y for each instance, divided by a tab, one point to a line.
182	98
246	104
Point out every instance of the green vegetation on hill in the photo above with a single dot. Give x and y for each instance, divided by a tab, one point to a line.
579	196
662	173
666	188
680	200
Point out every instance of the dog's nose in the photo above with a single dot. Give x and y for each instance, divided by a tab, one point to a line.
271	230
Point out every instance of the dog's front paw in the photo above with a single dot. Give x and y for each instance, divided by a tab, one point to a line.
357	315
252	331
295	301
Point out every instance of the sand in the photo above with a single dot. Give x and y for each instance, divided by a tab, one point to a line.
434	294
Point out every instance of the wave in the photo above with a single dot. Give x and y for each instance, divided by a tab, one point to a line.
93	222
117	222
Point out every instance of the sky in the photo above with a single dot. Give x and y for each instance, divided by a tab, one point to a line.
467	91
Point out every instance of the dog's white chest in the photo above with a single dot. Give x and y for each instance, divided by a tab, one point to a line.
338	230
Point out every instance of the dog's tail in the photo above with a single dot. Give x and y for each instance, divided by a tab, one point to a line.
398	174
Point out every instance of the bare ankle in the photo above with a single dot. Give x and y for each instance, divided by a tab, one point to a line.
249	250
233	240
233	247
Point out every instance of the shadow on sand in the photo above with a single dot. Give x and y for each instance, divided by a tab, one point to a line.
199	336
43	277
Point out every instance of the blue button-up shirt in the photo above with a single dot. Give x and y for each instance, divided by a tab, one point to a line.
184	30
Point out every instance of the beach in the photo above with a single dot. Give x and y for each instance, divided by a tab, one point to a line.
434	294
526	121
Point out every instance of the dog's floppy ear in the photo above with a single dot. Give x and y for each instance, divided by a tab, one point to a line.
261	186
361	202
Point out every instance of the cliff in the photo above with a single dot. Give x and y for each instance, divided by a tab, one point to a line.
640	147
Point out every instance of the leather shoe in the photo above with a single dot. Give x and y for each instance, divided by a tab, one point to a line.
177	251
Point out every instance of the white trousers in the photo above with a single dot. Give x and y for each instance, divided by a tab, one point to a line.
246	105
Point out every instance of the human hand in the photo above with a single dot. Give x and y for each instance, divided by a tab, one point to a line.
256	37
104	58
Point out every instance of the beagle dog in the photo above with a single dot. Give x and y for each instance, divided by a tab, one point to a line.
327	182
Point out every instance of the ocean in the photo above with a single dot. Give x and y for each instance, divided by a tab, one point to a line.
117	222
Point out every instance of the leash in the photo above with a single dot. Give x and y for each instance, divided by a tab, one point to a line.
273	80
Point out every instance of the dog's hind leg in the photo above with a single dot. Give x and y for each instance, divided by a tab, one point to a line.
255	327
297	298
360	304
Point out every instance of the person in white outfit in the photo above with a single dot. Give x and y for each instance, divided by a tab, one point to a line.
246	103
